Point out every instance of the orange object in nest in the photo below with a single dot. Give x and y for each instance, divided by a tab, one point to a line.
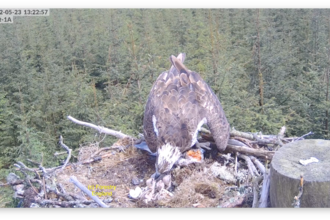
196	154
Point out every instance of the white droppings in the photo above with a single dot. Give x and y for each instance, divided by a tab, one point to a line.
310	160
135	193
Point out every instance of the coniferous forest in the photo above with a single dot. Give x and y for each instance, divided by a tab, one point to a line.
269	67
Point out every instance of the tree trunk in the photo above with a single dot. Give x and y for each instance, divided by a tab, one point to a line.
286	170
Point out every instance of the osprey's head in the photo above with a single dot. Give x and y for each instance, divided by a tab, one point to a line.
166	158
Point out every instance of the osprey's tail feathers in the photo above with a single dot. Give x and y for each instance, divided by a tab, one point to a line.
178	64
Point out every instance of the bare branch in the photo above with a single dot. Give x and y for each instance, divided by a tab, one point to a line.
44	186
68	150
250	151
7	184
251	167
59	153
302	137
74	180
63	203
100	129
100	150
260	166
263	202
234	132
33	162
255	186
23	166
236	163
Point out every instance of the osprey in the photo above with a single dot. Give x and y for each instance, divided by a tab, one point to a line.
179	103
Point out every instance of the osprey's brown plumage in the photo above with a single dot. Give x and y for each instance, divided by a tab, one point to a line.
179	103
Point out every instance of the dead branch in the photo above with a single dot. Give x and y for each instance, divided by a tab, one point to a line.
263	202
85	190
246	142
23	166
7	184
302	137
44	186
250	151
67	149
64	203
100	129
252	169
102	149
61	188
236	163
60	153
63	195
260	166
255	186
33	162
235	133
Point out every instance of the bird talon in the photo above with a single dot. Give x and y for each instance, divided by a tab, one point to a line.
205	145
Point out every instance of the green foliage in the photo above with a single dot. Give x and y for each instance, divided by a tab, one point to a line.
99	66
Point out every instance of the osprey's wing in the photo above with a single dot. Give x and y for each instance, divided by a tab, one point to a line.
161	115
216	119
207	106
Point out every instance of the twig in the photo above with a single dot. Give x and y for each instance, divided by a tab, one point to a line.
59	153
296	200
255	187
34	189
61	188
22	168
100	129
44	185
234	132
6	184
263	202
302	137
260	166
237	142
43	170
63	203
251	151
102	149
63	195
67	149
252	169
85	190
33	162
235	163
22	165
36	181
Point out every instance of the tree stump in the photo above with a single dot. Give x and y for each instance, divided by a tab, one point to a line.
286	170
